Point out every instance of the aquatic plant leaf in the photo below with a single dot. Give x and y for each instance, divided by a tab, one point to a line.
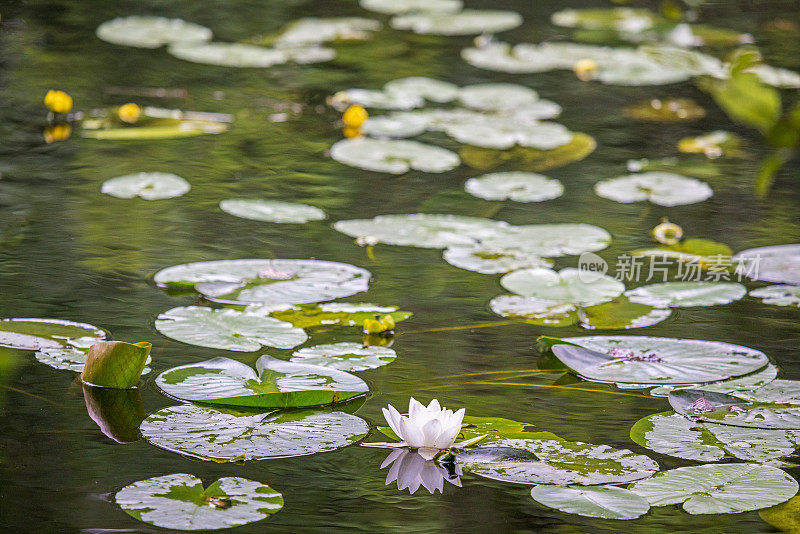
704	252
115	364
724	409
621	314
662	188
227	329
229	54
608	502
615	18
497	96
503	133
393	7
38	334
370	98
151	32
779	264
464	22
703	168
179	501
271	210
276	384
564	287
495	431
657	360
423	87
345	356
393	156
518	186
118	412
667	110
784	517
535	310
778	295
489	260
396	125
775	391
560	239
267	281
713	144
686	294
331	314
718	489
315	30
741	384
146	185
182	129
226	436
527	158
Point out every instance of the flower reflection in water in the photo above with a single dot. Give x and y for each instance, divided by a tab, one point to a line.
411	471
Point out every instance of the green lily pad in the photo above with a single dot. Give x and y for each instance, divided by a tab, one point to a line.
393	7
718	489
397	125
115	364
621	314
564	287
535	310
488	260
277	384
538	461
464	22
615	18
40	334
182	129
267	281
370	98
662	188
657	360
552	240
72	358
227	329
179	501
345	356
315	30
686	294
698	168
724	409
394	156
713	145
518	186
496	431
779	264
497	96
785	516
228	54
741	384
666	110
333	313
423	87
703	252
151	32
529	159
778	295
503	133
146	185
608	502
774	391
271	210
210	434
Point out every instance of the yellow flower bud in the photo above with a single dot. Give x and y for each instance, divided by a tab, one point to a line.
372	326
57	132
668	233
355	116
387	322
58	101
351	132
129	112
585	69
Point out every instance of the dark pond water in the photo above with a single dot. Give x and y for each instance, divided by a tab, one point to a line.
68	252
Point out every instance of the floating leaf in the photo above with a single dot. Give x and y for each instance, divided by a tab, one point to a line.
378	99
315	30
334	313
657	360
560	239
210	434
180	502
704	252
733	410
621	313
779	295
785	516
703	168
686	294
151	32
496	431
718	489
504	133
422	87
118	412
268	281
530	159
464	22
345	356
393	156
38	334
667	110
616	18
182	129
146	185
536	311
779	264
608	502
497	96
565	286
227	329
741	384
272	210
393	7
518	186
488	260
229	54
115	364
662	188
713	145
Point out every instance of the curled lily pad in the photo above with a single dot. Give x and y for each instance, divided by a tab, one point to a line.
229	54
115	364
779	264
563	287
662	188
180	502
393	156
718	489
151	32
315	30
537	461
274	384
423	87
393	7
267	281
778	295
657	360
271	210
465	22
608	502
527	158
684	294
518	186
146	185
488	260
345	356
617	18
226	436
333	313
667	110
725	409
40	334
227	329
497	96
73	357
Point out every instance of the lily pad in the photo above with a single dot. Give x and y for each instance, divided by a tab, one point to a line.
713	145
227	329
369	98
529	159
333	314
503	133
617	18
724	409
229	54
267	281
226	436
518	186
551	240
464	22
272	210
488	260
662	188
146	185
666	110
315	30
686	294
423	87
72	358
608	502
345	356
496	431
180	502
40	334
563	287
785	516
276	384
778	295
621	314
657	360
497	96
779	264
738	385
534	310
393	7
151	32
718	489
393	156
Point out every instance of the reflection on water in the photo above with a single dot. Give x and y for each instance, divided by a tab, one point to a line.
118	412
410	470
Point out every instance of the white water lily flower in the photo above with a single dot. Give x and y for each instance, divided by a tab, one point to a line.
411	471
429	429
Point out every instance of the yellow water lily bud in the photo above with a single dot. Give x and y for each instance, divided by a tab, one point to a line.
585	69
373	326
387	322
351	132
355	116
57	132
668	233
58	101
129	112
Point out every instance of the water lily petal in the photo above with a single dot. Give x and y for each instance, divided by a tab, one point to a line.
431	431
415	408
428	453
434	406
411	434
392	417
394	455
431	478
